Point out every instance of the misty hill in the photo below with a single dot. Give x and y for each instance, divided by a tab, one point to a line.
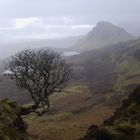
114	68
9	47
104	34
9	90
124	125
106	70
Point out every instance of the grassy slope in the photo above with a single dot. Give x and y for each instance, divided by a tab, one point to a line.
76	109
123	125
70	117
129	74
8	89
128	68
72	112
67	126
114	68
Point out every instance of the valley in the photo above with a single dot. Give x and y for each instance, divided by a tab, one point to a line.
104	74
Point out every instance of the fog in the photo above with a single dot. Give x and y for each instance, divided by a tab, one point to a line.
41	19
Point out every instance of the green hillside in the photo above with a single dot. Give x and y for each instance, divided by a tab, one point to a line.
115	68
102	78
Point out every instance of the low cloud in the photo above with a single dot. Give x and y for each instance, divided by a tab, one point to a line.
20	18
44	28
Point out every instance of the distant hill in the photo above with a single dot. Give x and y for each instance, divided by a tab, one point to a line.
115	68
9	48
9	90
124	125
104	34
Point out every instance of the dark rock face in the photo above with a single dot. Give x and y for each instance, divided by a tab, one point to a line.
124	125
12	126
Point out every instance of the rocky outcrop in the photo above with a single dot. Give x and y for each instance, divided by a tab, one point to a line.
123	125
12	126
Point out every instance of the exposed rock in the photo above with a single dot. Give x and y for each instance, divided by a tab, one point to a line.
124	125
12	126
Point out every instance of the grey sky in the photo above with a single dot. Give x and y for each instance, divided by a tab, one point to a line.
53	18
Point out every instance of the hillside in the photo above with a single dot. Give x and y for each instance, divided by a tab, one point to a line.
114	68
12	126
9	90
104	34
103	78
124	125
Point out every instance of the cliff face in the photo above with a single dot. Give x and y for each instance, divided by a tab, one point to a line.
124	125
12	126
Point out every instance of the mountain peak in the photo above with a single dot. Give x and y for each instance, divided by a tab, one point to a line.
105	30
104	23
104	34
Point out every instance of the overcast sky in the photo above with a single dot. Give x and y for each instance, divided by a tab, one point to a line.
59	18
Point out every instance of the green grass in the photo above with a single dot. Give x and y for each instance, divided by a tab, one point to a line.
119	84
59	117
70	90
66	126
127	68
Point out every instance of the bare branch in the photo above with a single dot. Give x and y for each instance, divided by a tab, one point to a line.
41	73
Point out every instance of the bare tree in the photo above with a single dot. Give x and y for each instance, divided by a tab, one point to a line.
41	73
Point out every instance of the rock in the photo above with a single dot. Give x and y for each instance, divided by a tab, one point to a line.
123	125
12	126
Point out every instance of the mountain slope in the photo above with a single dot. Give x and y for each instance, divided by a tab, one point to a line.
9	90
102	35
12	126
113	68
124	125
